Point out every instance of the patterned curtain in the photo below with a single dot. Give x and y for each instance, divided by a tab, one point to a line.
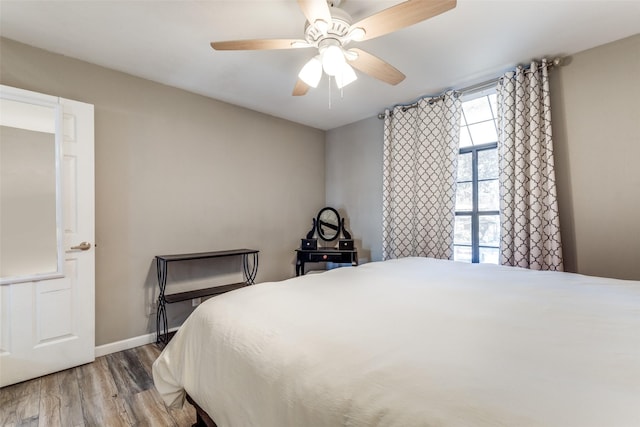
530	235
419	178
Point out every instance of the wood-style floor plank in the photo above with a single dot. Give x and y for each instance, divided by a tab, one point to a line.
116	390
99	393
147	354
95	379
50	402
128	373
71	403
20	403
148	410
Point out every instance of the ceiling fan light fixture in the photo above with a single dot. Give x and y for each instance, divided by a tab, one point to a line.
311	73
330	29
346	76
332	59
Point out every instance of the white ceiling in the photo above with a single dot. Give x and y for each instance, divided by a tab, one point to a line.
168	42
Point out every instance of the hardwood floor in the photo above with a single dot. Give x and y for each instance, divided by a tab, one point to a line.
115	390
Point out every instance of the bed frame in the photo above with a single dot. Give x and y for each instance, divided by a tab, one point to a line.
202	418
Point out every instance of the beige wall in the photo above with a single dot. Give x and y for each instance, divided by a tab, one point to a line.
354	182
596	116
596	123
177	172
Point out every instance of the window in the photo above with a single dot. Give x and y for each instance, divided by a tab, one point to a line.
477	223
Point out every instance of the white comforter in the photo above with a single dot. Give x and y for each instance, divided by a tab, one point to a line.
413	342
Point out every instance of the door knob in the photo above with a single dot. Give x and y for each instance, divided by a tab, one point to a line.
84	246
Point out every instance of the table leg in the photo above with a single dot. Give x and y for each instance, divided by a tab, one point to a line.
162	327
299	268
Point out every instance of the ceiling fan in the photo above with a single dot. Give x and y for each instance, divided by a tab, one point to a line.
330	29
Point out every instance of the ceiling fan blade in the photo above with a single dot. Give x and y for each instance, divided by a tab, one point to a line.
401	16
376	67
315	9
260	44
300	89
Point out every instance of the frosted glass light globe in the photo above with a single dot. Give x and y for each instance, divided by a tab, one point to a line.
332	60
311	72
345	76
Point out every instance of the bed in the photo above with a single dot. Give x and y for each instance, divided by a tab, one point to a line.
413	342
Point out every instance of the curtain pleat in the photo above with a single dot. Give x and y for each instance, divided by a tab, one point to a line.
419	179
530	234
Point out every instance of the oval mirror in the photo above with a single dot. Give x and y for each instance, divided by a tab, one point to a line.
328	224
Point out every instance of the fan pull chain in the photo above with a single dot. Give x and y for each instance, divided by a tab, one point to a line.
331	92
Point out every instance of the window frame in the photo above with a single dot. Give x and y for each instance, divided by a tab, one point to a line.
475	213
470	147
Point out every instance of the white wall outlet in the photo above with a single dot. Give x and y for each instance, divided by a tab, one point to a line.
195	302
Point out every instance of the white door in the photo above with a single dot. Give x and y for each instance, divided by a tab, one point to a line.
49	325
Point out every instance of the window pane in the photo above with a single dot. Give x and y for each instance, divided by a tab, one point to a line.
465	139
489	230
464	197
462	230
462	253
477	110
494	104
488	195
465	169
483	133
489	255
487	164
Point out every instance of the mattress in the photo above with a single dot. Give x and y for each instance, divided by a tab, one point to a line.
413	342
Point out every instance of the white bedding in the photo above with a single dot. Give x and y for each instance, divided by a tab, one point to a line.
413	342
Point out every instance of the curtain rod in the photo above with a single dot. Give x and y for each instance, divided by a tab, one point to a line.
463	91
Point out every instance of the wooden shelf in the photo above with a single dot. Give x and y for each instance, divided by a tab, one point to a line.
204	292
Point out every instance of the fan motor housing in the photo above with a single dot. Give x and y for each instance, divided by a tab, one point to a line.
338	28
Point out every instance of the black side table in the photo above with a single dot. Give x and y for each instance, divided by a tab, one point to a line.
325	255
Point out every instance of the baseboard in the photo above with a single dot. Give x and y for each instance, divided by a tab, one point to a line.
114	347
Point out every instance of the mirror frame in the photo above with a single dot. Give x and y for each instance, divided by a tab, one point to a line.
34	98
319	224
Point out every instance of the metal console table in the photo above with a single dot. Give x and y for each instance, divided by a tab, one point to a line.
249	267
